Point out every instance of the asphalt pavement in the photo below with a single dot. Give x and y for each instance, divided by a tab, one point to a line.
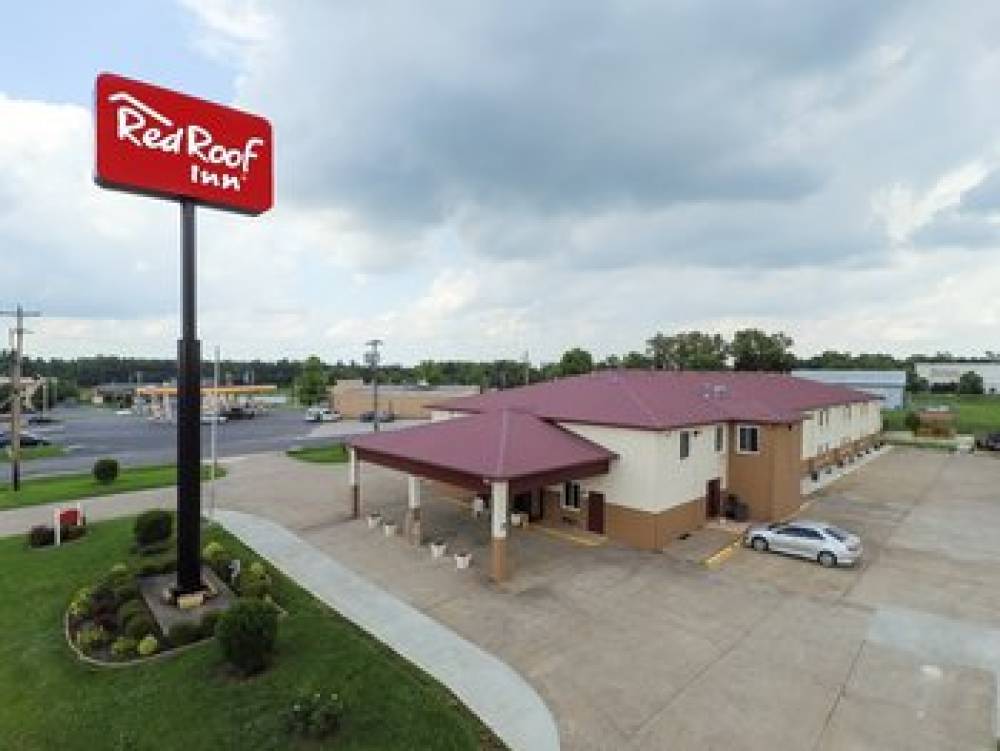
88	433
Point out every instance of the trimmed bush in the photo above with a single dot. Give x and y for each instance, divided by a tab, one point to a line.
147	646
140	626
123	647
155	549
41	535
209	622
247	633
130	610
155	525
105	471
69	532
184	633
79	606
155	568
91	638
254	581
217	558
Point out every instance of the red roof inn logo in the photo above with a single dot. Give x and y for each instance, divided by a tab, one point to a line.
163	143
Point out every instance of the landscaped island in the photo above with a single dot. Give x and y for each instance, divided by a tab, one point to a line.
194	699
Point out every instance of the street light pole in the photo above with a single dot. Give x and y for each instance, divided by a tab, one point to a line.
19	314
188	416
373	359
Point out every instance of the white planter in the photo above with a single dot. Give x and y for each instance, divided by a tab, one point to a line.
438	550
517	520
389	528
374	520
462	560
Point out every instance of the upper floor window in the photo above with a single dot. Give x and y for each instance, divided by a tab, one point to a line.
749	439
720	438
685	444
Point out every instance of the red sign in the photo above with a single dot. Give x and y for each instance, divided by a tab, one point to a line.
162	143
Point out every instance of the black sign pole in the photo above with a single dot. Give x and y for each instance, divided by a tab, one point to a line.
188	416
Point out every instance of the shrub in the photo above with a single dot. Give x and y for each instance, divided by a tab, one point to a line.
128	592
209	622
123	647
41	535
153	526
155	568
102	600
247	633
314	715
147	646
155	549
130	610
217	558
213	550
105	471
184	633
69	532
912	421
79	606
90	638
140	626
254	581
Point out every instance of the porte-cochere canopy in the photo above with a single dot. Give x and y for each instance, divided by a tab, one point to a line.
475	451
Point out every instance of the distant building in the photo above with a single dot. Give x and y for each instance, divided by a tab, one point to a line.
948	373
351	398
888	384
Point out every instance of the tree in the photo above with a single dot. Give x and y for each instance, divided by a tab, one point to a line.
688	350
754	349
576	361
636	361
312	381
429	372
970	383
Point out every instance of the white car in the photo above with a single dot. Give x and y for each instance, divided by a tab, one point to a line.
322	414
817	541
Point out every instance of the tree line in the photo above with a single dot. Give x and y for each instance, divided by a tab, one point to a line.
748	349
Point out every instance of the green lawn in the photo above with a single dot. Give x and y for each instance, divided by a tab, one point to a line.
334	454
975	413
35	452
75	486
50	701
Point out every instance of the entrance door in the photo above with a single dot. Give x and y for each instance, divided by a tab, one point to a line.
713	499
595	512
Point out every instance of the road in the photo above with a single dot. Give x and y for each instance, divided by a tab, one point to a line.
91	432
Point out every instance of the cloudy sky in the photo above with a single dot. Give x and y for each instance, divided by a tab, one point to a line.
483	179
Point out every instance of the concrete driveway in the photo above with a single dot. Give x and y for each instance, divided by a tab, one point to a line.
644	650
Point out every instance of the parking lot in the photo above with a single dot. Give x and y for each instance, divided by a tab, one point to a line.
646	650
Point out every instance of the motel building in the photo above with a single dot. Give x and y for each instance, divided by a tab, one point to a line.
639	457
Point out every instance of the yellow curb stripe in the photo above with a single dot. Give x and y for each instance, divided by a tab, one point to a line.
720	555
590	540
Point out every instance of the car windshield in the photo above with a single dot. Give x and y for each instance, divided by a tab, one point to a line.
837	534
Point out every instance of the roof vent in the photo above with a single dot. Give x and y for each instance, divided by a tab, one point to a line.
715	391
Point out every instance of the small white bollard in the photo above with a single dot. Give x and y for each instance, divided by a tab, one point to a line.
462	560
438	549
389	529
374	520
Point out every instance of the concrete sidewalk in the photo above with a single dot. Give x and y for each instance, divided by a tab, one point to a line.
488	686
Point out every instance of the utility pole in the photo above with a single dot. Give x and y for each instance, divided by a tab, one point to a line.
372	358
19	315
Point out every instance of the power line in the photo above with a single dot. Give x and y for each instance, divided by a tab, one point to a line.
19	314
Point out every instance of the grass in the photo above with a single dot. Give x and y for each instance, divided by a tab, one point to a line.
335	453
975	413
35	452
48	700
83	485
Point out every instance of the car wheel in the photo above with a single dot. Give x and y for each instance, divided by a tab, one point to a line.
827	559
759	544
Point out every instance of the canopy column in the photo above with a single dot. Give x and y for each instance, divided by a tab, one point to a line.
354	479
498	541
413	510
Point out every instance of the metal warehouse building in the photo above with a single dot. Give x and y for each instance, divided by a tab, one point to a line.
888	384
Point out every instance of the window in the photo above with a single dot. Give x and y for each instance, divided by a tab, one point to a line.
749	442
720	438
685	444
571	495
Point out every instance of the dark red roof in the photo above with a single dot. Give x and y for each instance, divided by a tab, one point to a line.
660	400
496	445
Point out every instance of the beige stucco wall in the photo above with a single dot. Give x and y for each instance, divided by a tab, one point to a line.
846	424
769	480
649	474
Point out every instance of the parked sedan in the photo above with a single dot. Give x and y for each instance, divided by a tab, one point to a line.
817	541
